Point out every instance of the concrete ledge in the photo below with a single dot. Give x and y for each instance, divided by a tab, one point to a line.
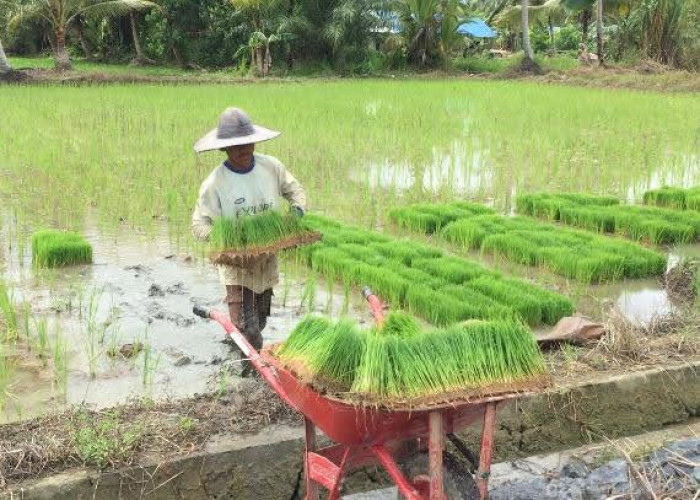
268	465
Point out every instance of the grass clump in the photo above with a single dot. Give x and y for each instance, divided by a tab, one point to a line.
52	248
230	233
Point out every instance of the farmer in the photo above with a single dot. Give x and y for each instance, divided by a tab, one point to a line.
246	183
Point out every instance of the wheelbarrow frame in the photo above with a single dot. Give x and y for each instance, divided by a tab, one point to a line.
367	436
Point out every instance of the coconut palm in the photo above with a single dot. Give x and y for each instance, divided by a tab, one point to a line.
4	63
529	57
61	14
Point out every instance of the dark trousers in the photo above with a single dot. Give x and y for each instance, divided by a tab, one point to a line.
249	312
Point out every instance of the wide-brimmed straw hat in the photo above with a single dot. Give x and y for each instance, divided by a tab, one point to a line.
235	129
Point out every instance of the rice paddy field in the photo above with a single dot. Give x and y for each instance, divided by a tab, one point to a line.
114	164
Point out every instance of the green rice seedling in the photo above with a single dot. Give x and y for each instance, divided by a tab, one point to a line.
59	354
409	218
9	314
589	199
253	231
364	254
640	223
554	306
450	269
476	300
666	196
384	282
466	233
440	308
336	354
6	371
149	362
301	343
513	294
331	261
415	276
52	248
400	324
692	201
573	254
405	251
42	340
514	247
473	208
308	295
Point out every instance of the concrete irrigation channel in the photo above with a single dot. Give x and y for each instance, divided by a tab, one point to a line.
267	464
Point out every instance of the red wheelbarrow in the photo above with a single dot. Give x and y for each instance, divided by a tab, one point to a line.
370	436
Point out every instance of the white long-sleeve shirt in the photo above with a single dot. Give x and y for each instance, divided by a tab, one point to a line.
231	194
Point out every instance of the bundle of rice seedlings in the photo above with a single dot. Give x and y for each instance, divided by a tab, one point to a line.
450	269
513	247
412	219
523	302
52	248
436	307
666	196
400	324
405	251
336	354
331	261
235	241
301	342
692	201
466	233
384	282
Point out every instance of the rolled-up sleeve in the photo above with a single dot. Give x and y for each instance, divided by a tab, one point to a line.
207	209
290	189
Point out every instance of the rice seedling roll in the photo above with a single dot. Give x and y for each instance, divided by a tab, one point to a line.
52	248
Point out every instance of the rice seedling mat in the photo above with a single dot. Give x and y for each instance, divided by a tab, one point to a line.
674	198
424	280
579	255
51	248
238	241
402	365
606	215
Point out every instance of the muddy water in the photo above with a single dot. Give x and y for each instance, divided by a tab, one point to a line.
143	291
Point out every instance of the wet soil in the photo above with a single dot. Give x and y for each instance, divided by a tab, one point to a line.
138	291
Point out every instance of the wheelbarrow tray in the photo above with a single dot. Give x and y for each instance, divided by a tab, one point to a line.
351	424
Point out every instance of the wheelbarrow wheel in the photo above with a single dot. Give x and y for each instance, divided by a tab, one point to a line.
458	483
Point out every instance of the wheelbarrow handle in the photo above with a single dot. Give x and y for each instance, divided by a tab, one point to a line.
266	371
375	306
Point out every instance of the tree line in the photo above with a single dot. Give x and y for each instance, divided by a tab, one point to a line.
357	36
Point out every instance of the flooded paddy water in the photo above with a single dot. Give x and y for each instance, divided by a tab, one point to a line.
115	164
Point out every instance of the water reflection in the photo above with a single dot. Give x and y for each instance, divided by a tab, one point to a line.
462	170
643	306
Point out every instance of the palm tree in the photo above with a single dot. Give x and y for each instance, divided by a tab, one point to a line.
529	57
4	63
599	31
60	14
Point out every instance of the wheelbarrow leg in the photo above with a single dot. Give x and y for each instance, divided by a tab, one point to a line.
482	475
311	486
436	444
